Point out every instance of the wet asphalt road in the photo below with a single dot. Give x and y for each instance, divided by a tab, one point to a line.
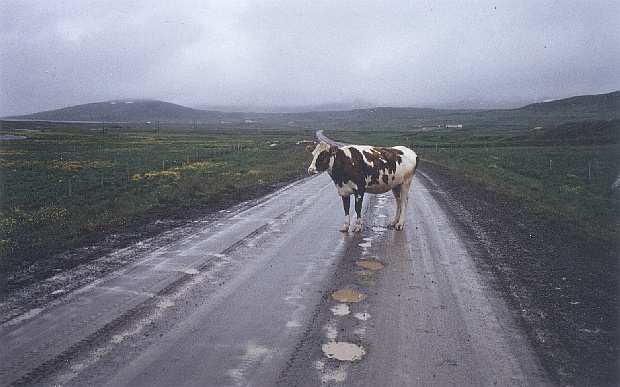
248	301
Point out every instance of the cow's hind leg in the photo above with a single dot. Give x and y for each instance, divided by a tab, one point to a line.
396	191
404	199
359	199
346	203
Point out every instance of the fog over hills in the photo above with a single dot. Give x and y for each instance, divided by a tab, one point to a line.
578	108
257	56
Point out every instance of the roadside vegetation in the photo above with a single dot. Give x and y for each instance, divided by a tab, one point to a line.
63	189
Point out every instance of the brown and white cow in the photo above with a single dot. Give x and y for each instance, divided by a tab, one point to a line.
360	169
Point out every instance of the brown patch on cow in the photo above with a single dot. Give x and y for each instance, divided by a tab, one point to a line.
383	160
347	169
322	161
385	178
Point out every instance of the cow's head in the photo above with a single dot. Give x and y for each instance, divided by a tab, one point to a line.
321	157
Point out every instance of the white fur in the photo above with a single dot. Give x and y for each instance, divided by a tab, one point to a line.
345	225
359	225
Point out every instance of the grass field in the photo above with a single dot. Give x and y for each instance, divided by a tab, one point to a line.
64	189
549	178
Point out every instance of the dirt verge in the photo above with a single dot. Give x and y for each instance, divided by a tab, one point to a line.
562	283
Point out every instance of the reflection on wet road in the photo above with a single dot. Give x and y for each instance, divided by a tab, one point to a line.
274	294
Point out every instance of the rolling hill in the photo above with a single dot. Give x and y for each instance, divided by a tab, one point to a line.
128	111
546	114
601	104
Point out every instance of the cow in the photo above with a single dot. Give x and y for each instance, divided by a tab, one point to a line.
360	169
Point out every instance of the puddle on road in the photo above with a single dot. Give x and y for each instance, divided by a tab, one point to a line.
341	310
370	264
362	316
348	295
343	351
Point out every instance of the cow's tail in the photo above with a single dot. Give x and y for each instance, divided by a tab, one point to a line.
415	167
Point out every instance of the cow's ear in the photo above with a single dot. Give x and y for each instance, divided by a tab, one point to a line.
333	149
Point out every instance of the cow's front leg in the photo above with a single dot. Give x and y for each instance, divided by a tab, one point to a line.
359	199
346	203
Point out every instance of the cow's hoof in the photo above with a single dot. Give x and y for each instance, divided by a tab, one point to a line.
344	228
399	227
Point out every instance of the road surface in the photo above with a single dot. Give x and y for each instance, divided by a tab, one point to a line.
250	299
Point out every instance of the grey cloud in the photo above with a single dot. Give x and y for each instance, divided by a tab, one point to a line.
280	53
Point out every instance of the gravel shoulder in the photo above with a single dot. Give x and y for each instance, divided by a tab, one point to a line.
562	284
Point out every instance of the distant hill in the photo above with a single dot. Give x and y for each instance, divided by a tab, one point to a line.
152	110
325	107
606	106
128	111
601	107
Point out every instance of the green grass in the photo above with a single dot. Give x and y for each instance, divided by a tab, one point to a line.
64	189
555	180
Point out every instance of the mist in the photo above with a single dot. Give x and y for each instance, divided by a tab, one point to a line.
284	53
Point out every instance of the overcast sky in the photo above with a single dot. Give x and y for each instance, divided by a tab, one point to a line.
405	53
